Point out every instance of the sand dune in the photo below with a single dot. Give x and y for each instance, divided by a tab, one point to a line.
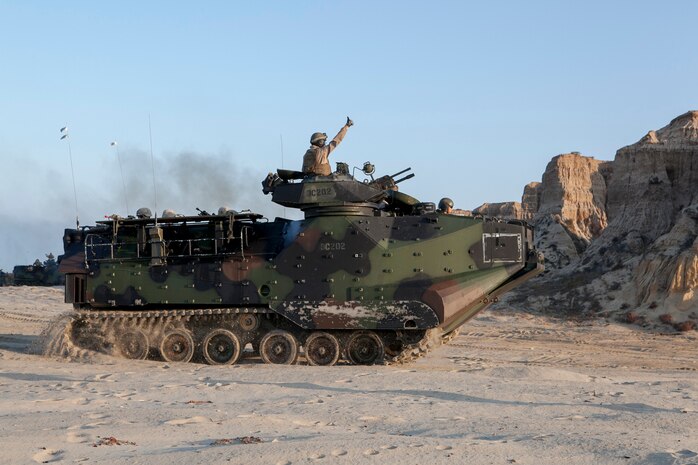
512	388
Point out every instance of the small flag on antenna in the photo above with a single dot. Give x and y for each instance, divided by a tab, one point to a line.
64	136
64	129
113	144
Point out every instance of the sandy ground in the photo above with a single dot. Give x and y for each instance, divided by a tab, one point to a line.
511	389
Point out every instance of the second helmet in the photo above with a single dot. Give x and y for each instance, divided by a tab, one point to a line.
445	203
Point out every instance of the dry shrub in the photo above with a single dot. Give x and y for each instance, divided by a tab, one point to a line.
112	441
687	325
666	319
631	317
240	440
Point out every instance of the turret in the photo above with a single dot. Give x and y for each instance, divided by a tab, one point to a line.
341	194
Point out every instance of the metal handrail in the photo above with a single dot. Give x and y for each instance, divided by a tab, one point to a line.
128	251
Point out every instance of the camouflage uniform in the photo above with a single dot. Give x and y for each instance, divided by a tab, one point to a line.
316	159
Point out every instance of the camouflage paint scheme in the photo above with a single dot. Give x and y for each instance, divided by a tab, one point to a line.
365	257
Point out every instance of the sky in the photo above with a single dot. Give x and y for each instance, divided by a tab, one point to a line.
475	97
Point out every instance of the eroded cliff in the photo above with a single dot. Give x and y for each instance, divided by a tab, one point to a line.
620	237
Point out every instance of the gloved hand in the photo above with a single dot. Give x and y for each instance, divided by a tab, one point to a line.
350	123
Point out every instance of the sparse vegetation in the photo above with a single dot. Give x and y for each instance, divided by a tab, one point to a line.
687	325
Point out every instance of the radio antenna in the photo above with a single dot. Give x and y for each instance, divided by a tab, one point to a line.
281	137
152	163
123	181
64	136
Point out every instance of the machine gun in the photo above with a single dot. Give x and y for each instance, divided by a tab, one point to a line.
388	182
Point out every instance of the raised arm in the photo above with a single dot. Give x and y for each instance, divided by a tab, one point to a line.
340	135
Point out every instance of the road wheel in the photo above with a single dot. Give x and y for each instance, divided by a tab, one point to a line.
365	348
177	346
221	347
279	347
133	343
322	349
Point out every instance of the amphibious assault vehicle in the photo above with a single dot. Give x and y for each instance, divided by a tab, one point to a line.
37	274
369	275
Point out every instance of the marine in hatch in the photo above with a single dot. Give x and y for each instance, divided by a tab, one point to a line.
316	158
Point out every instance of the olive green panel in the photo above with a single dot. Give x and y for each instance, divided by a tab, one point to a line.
175	289
444	256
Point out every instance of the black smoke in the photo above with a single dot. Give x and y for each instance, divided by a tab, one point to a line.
36	213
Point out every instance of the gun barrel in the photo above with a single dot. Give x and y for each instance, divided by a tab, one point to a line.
409	176
400	172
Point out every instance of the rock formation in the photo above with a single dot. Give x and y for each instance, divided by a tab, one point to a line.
530	200
567	208
668	271
509	210
620	237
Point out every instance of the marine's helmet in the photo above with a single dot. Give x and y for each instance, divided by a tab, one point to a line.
144	212
169	213
445	204
226	210
317	137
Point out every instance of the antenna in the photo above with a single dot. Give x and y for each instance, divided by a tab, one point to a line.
64	131
281	137
152	163
123	181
